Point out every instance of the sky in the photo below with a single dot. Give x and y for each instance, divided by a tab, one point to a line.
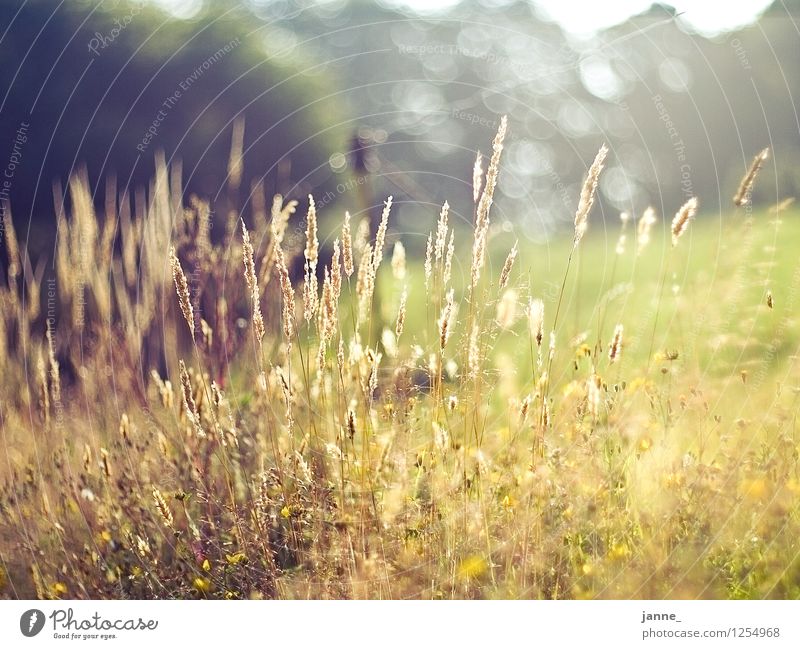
587	16
707	16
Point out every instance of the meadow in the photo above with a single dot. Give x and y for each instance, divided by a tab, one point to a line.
609	415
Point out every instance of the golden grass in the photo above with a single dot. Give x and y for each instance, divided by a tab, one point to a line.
453	449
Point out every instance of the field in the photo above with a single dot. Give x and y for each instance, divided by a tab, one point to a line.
185	416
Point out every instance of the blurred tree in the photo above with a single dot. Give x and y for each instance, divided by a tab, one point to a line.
307	76
109	84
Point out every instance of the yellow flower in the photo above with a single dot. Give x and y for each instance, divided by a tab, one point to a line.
619	551
202	584
472	567
59	588
286	511
637	383
753	488
106	536
206	565
673	480
508	503
235	558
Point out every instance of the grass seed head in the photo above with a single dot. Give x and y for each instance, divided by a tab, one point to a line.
247	257
441	232
163	509
593	396
312	242
536	320
682	219
507	266
287	294
745	189
189	403
44	390
485	203
429	260
615	348
336	271
507	309
347	246
380	236
452	403
588	193
401	314
53	368
448	259
645	225
252	285
445	321
477	178
310	293
399	261
182	288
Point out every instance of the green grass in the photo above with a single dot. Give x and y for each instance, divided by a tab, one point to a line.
712	309
683	481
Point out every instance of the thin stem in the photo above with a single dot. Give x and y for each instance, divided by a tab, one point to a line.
658	309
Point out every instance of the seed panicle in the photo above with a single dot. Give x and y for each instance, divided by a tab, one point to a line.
588	194
745	189
182	288
682	219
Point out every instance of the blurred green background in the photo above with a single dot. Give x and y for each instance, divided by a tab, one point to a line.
354	100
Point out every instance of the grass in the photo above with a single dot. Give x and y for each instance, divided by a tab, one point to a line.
256	435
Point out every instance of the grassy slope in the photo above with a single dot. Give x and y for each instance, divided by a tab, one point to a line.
727	401
712	311
685	486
